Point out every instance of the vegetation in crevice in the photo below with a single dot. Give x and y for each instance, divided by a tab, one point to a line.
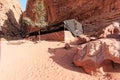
40	16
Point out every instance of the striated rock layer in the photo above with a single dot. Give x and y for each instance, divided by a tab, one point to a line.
94	14
10	12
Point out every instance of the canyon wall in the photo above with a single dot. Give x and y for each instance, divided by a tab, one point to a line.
93	14
10	12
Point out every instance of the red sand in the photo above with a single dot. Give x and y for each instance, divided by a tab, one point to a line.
41	61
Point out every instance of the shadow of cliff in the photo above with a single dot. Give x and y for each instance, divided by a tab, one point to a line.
64	58
11	27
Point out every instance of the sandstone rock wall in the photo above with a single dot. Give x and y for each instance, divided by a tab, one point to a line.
94	14
10	12
29	9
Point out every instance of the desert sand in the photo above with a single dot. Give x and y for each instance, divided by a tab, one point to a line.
45	60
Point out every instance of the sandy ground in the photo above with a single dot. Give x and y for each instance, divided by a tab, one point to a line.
41	61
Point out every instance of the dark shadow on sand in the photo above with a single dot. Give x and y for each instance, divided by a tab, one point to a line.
64	58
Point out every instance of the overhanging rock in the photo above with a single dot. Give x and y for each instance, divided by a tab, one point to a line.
74	27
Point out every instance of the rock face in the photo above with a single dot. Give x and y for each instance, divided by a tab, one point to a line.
10	12
95	52
94	14
92	55
111	30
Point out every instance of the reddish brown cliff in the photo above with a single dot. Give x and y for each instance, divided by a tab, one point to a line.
94	14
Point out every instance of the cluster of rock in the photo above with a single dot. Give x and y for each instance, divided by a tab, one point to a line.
101	41
93	52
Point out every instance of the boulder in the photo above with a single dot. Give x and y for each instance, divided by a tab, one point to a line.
92	55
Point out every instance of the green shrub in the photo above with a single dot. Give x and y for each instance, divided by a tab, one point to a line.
40	13
28	21
40	16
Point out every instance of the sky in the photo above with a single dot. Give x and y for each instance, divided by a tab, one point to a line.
23	4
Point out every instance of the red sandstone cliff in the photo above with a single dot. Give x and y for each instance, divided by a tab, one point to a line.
94	14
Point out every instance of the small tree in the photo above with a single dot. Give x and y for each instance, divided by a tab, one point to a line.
39	15
28	21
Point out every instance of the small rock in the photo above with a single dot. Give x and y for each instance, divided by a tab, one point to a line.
67	46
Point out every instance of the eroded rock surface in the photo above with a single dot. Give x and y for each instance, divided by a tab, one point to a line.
92	55
114	28
93	14
94	52
110	31
10	12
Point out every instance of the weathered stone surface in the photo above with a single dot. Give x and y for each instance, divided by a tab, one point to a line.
94	14
92	55
114	28
10	11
